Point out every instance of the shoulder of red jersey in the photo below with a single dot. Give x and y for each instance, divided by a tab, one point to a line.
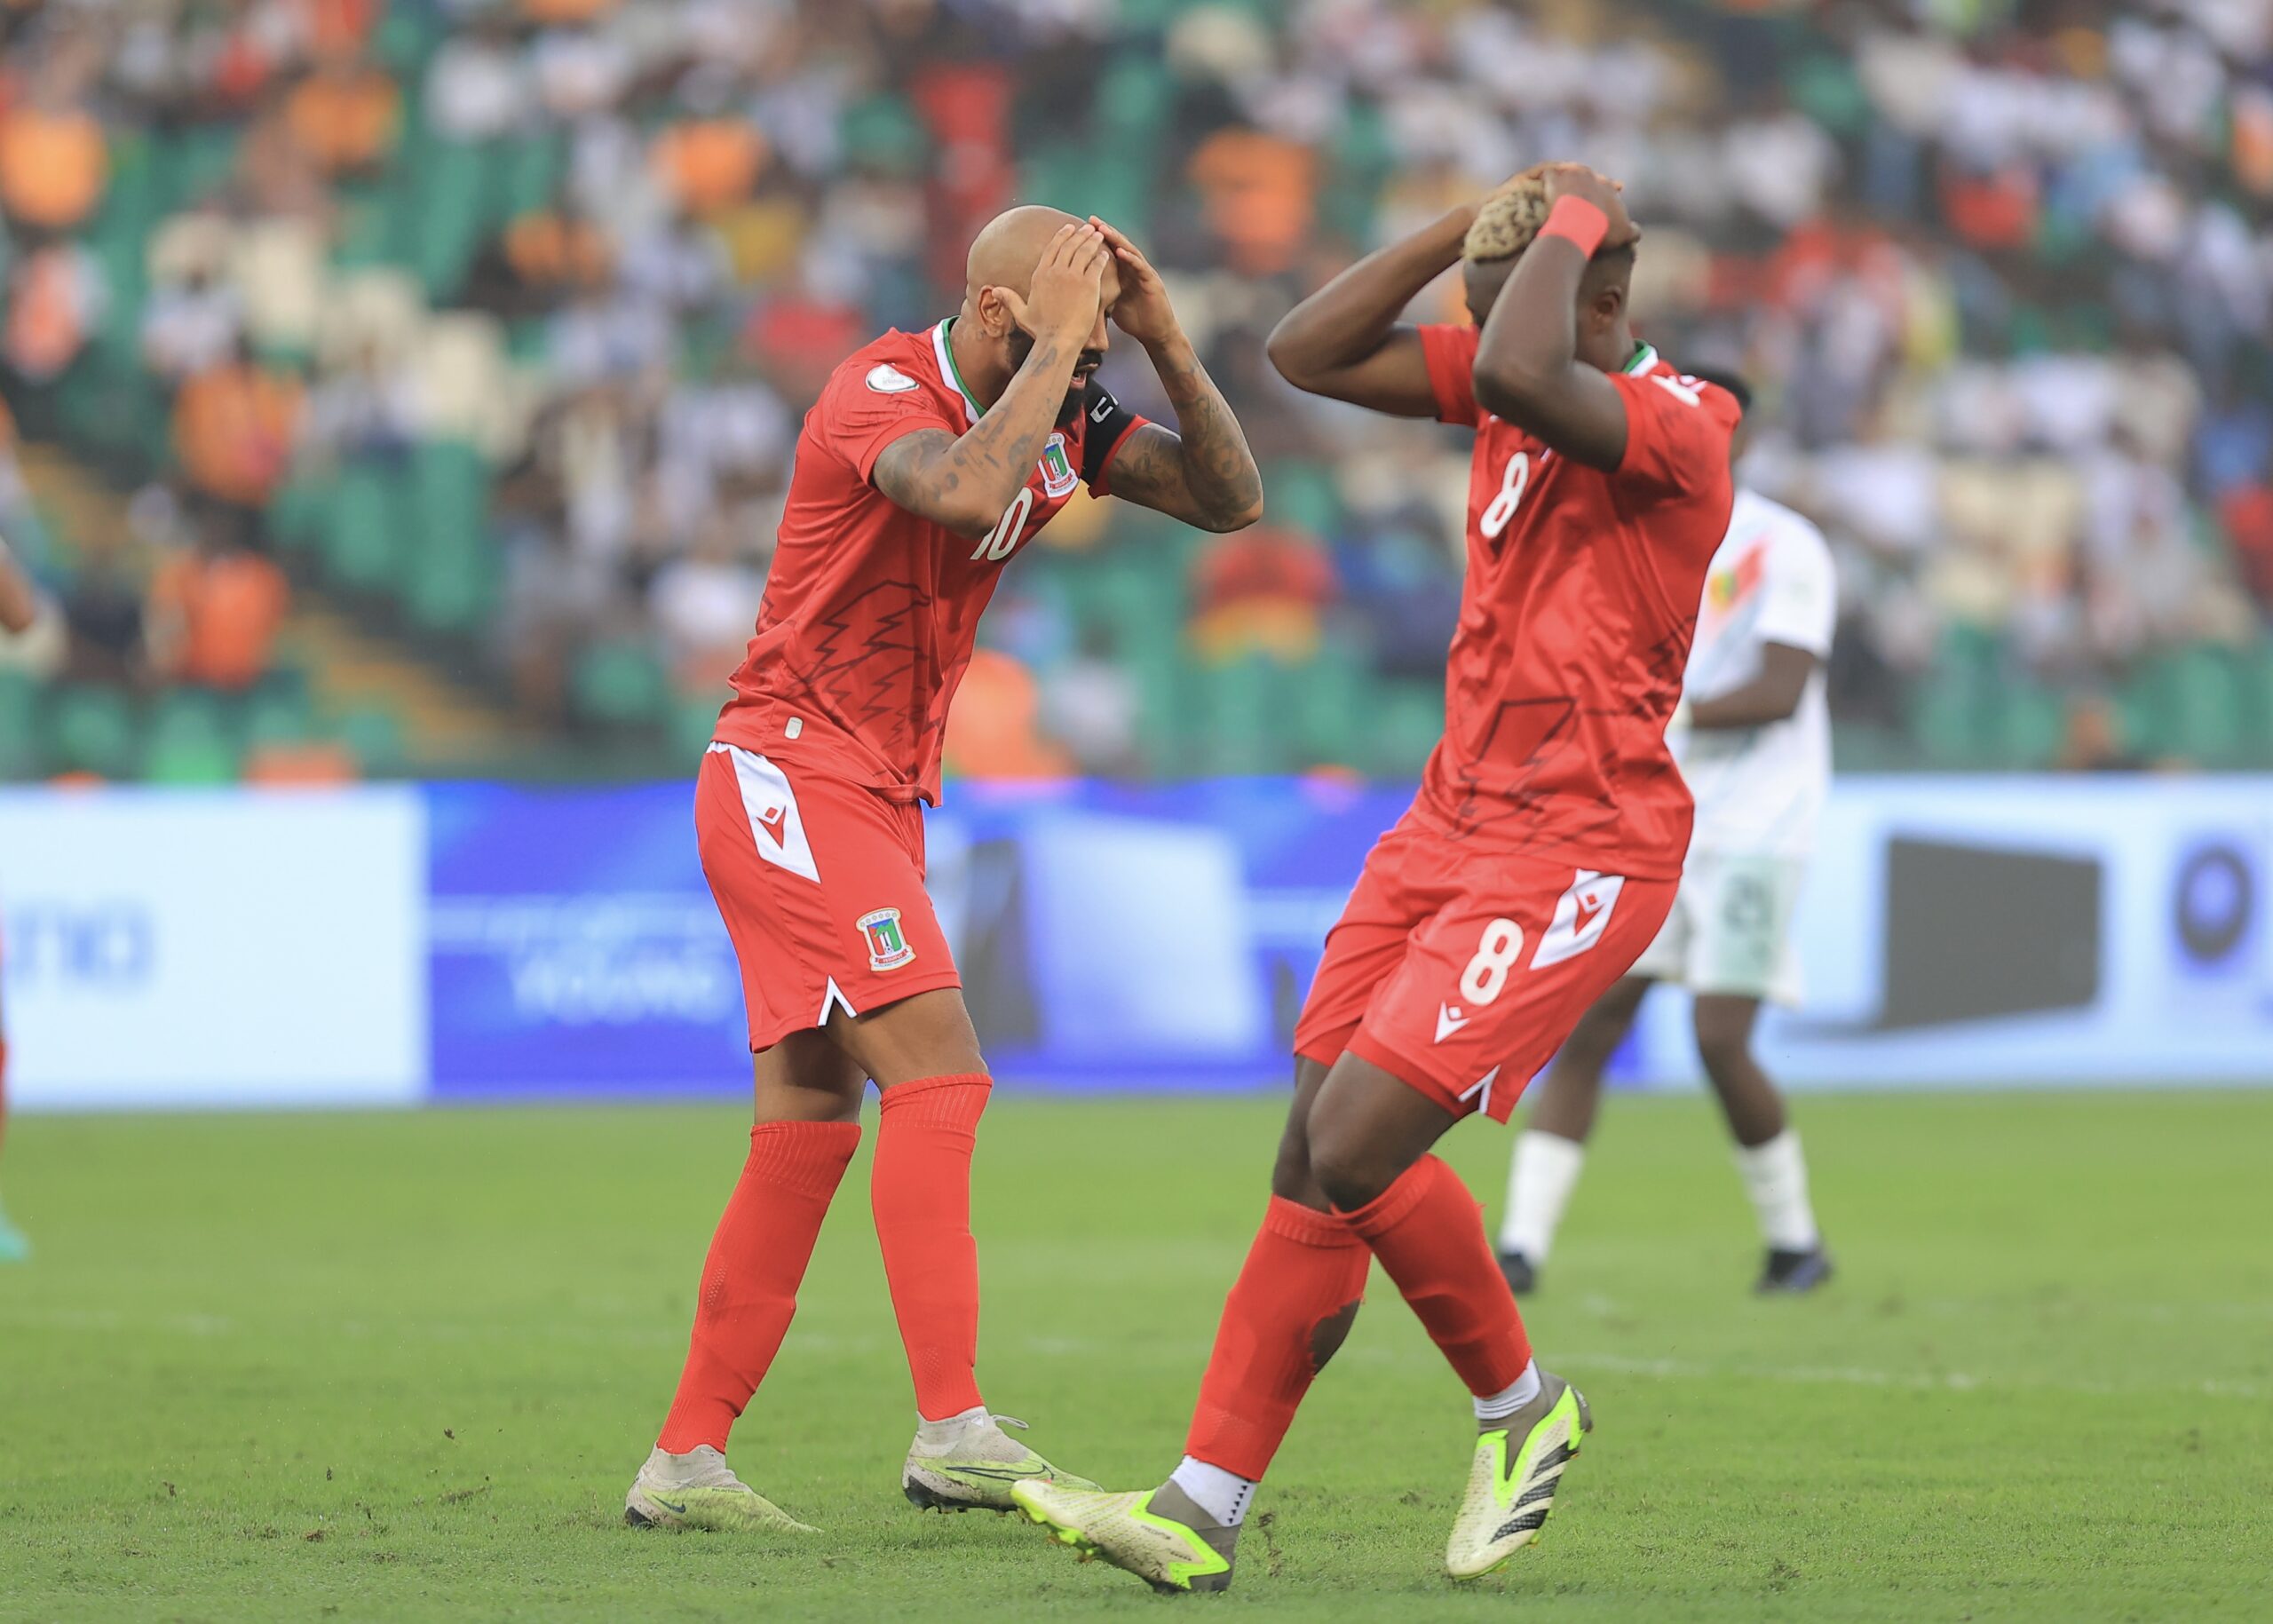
892	385
1677	428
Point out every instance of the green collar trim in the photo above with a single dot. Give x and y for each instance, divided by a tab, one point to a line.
949	371
1644	358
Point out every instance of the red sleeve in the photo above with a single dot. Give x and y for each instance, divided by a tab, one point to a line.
866	409
1677	432
1450	352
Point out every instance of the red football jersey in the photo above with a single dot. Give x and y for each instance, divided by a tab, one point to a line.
870	611
1575	620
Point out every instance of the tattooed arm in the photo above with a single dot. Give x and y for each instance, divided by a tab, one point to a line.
1201	471
965	481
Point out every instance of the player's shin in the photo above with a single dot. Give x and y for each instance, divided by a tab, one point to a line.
1293	1304
1295	1301
750	1276
1429	1233
920	1191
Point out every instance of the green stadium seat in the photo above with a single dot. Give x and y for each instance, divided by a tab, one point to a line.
528	176
277	713
456	184
361	545
191	741
621	684
2209	705
92	729
374	736
1407	718
694	717
1243	723
1327	705
20	705
2031	726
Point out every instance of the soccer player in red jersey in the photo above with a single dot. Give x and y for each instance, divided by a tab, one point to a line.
1538	860
930	459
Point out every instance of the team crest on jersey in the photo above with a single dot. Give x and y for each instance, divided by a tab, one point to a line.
888	947
887	379
1057	476
1581	916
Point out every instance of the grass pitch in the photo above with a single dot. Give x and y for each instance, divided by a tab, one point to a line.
403	1366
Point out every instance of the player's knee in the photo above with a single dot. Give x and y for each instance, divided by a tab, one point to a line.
1348	1165
1290	1174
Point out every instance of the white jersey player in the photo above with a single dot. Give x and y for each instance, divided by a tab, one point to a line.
1753	740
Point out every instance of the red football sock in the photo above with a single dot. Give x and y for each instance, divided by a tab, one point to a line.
1428	1232
1306	1271
919	1189
750	1279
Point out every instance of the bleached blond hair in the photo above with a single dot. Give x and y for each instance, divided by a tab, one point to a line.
1506	223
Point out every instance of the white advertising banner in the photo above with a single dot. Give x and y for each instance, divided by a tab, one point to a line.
165	948
2049	930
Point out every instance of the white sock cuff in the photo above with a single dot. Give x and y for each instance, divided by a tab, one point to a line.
1221	1494
939	1432
1508	1400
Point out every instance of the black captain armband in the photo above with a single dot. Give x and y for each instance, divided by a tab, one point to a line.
1109	422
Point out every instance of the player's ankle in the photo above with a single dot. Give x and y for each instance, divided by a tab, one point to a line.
1223	1495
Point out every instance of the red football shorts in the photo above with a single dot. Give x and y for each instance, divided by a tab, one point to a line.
1460	972
820	882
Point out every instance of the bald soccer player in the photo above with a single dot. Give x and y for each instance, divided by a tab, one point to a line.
930	459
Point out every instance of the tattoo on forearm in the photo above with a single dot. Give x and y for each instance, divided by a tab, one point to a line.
1218	471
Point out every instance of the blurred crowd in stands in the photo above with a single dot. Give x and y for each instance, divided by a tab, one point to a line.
489	323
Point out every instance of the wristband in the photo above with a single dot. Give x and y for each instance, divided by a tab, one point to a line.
1577	222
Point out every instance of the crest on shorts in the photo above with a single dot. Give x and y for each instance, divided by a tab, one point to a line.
888	947
1057	476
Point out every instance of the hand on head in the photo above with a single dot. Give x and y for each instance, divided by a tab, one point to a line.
1066	293
1577	180
1142	310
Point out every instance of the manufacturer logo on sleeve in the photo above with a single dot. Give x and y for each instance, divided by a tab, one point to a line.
888	947
887	379
1057	476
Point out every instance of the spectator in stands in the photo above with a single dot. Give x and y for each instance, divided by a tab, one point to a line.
346	115
214	611
54	163
1261	590
235	425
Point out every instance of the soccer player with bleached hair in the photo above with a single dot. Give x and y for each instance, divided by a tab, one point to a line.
930	461
1538	860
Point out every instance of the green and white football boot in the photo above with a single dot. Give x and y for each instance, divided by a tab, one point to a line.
695	1490
973	1465
1157	1534
1512	1482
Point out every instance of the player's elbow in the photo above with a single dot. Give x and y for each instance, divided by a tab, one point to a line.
1223	521
968	516
1292	354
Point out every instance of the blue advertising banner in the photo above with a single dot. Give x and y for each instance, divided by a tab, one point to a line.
572	948
474	941
1109	937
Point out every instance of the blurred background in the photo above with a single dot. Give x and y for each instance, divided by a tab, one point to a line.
405	392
